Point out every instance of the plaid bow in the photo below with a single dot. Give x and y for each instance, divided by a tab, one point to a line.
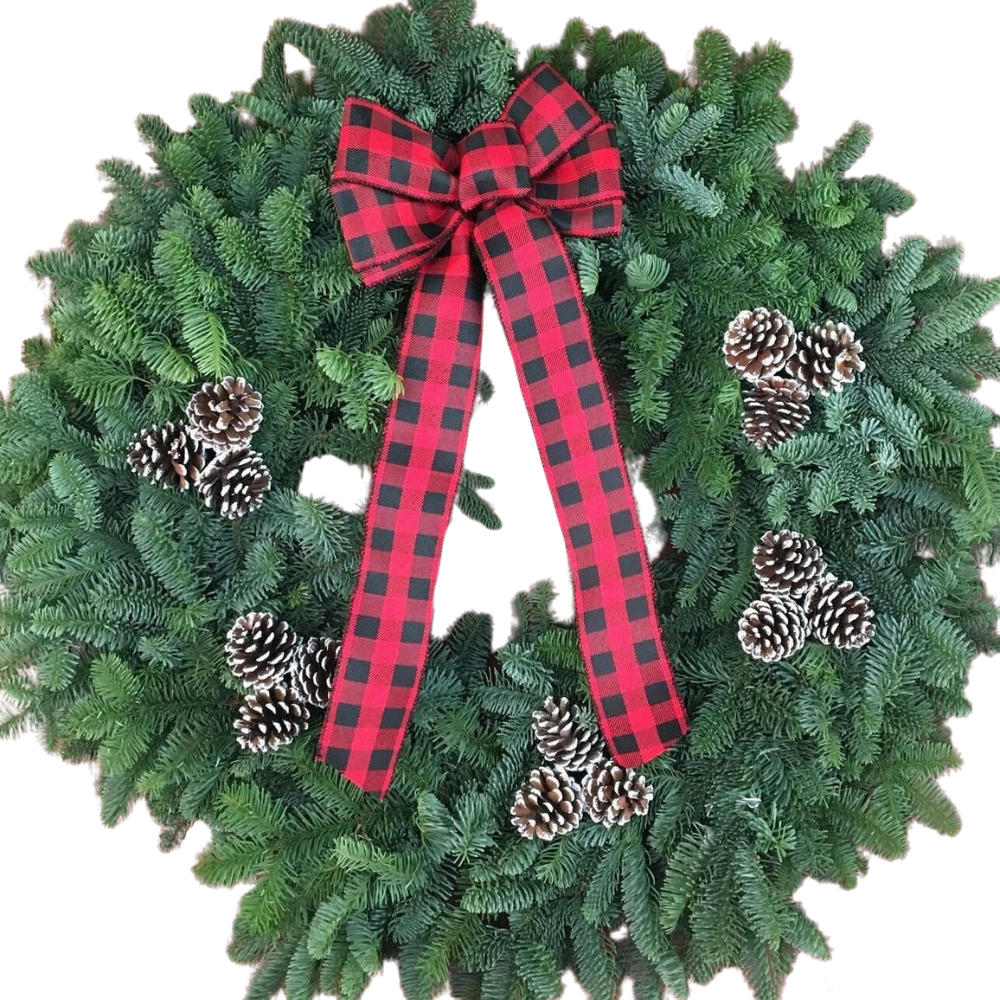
497	203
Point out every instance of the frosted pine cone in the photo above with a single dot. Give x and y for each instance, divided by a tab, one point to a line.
839	614
260	648
772	628
225	415
166	455
234	483
827	358
614	794
561	738
758	342
270	718
785	562
312	671
775	409
549	804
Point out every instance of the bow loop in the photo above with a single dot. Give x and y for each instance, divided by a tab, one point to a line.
389	235
551	117
582	191
380	149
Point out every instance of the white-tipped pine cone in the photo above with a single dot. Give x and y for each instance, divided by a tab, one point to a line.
786	562
167	455
561	738
839	615
260	648
827	358
758	342
775	409
773	627
548	804
312	671
234	483
226	414
614	794
270	718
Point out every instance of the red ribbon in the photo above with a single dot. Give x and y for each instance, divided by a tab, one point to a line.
495	203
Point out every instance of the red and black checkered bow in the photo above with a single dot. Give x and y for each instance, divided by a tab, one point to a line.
497	202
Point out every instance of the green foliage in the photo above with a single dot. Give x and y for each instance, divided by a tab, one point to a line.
470	503
229	258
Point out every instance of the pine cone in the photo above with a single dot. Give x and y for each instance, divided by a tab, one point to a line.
759	342
772	628
775	409
827	358
234	483
839	615
225	415
548	804
312	671
562	740
614	794
785	562
167	455
270	718
260	648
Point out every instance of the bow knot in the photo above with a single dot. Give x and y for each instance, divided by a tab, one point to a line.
496	205
493	166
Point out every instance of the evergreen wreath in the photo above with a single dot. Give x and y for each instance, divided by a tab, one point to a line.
228	261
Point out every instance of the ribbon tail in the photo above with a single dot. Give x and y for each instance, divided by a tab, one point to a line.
542	311
413	489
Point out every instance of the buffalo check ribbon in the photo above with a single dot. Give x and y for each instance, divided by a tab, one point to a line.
493	207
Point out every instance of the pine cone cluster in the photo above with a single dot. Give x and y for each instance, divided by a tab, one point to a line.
800	599
288	678
553	799
783	368
211	451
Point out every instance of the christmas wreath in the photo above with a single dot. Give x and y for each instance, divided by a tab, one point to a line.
237	653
